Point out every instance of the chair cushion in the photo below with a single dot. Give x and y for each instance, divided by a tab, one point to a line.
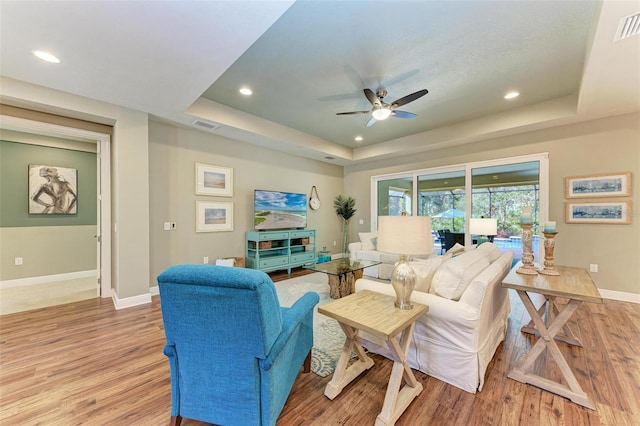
368	240
453	277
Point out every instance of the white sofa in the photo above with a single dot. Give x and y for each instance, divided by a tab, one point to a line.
467	318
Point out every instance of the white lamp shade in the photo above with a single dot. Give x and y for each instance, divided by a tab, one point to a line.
405	234
483	226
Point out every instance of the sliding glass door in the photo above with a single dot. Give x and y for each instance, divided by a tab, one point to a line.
498	189
501	192
395	196
441	196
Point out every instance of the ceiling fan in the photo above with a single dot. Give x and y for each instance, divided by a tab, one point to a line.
381	110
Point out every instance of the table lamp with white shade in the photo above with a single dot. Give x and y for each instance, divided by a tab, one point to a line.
483	228
406	236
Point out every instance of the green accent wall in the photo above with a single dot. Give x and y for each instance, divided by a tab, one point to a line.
14	186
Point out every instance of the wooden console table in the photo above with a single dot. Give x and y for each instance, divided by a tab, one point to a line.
375	313
574	284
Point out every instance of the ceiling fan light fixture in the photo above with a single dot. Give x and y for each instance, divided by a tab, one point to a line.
381	113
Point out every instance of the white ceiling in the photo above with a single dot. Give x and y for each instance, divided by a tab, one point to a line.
306	61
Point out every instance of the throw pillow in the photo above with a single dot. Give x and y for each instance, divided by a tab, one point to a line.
457	248
368	240
453	278
425	271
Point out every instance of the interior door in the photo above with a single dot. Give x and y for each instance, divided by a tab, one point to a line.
98	227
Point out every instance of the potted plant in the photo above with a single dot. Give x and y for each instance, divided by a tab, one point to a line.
345	208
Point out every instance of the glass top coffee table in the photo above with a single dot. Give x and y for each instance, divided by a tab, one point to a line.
343	274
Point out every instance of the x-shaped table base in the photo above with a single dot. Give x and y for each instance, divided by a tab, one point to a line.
397	398
557	320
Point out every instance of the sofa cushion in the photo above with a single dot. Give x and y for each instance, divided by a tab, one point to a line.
425	270
368	240
492	274
453	277
491	250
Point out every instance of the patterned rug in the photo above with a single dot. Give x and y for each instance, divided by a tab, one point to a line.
328	337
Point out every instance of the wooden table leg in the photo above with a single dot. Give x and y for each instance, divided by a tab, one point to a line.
397	399
345	373
550	309
547	341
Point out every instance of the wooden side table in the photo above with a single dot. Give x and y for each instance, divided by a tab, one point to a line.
574	284
375	313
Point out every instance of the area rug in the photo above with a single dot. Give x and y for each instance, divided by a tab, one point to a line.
328	337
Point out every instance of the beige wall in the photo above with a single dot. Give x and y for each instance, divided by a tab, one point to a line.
599	146
47	250
173	152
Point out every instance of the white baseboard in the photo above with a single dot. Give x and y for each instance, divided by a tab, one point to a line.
20	282
155	290
129	302
619	295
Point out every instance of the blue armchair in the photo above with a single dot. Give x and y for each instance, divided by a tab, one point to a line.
233	351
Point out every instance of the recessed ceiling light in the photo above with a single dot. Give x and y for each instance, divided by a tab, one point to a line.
511	95
46	56
358	138
246	91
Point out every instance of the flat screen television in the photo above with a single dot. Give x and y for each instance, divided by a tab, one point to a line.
279	210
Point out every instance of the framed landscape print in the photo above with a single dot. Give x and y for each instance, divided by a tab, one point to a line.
606	185
608	212
214	180
52	190
214	216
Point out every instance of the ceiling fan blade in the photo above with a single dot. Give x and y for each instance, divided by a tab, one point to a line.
409	98
352	112
372	97
403	114
371	122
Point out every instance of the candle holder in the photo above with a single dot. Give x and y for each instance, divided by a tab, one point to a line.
549	245
527	268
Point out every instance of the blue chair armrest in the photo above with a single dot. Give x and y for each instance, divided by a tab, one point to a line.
301	311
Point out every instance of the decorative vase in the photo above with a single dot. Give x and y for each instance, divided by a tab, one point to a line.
527	268
549	245
345	238
403	281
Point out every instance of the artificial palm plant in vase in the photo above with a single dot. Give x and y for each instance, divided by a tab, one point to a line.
345	208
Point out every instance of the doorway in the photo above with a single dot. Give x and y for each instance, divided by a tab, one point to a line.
102	142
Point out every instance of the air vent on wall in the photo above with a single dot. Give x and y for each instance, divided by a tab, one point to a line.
629	26
206	124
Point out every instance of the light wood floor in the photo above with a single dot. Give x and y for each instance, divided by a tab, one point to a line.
86	363
35	296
